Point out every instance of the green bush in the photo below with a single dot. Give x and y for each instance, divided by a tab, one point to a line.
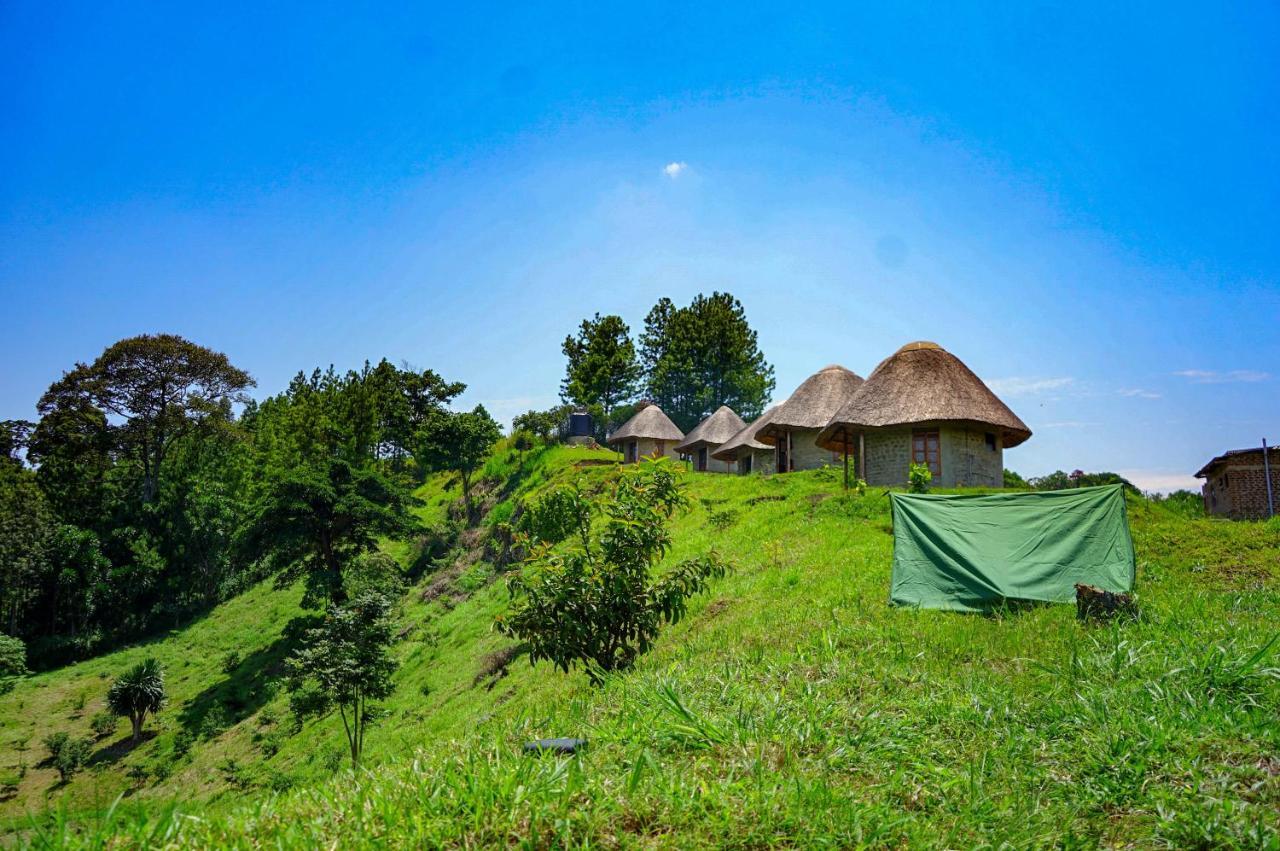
13	662
104	724
919	478
557	515
67	754
598	604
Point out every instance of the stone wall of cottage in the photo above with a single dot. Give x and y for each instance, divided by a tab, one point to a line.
648	447
1237	487
967	460
807	454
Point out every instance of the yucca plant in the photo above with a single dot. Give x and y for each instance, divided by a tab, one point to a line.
137	692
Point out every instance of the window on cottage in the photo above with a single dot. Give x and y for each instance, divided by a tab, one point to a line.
924	450
991	441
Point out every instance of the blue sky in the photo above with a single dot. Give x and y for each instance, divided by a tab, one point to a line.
1083	205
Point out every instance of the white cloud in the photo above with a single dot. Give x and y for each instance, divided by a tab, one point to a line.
1161	481
675	169
1208	376
1027	386
1138	393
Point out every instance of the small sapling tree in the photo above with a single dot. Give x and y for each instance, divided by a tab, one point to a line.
918	478
346	664
13	662
596	602
138	692
459	442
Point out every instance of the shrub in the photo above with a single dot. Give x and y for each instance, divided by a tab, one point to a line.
230	661
557	515
137	693
598	604
67	754
919	478
103	724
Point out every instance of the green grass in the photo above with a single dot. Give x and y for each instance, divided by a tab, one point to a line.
793	706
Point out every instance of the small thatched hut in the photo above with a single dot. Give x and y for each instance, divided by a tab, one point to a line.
922	405
709	435
750	455
794	428
650	433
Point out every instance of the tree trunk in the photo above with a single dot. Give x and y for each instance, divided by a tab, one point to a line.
136	721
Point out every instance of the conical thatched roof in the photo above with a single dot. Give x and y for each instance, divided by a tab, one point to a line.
713	431
813	403
745	439
648	422
922	382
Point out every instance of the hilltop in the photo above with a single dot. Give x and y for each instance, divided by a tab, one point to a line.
792	706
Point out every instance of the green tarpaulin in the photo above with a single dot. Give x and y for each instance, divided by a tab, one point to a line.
968	553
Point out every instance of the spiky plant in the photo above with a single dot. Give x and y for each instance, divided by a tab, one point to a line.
138	691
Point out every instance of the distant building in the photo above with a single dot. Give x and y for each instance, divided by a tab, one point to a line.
793	429
649	434
747	453
922	405
1235	484
708	436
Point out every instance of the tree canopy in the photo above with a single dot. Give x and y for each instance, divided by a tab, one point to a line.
700	357
460	442
602	368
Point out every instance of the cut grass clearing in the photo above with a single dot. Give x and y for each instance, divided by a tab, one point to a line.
794	707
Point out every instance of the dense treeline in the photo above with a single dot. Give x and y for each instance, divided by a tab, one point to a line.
690	361
151	487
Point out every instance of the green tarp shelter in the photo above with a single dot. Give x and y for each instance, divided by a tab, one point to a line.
968	553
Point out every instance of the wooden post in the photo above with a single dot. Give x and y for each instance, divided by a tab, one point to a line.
862	458
791	458
846	460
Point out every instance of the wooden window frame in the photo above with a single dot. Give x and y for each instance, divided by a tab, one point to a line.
925	434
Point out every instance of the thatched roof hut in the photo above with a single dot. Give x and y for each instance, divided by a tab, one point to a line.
648	423
813	403
921	383
745	439
713	431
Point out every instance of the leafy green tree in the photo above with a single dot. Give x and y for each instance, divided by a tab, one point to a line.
13	662
596	601
314	521
1014	481
346	664
26	526
602	368
158	387
458	442
700	357
137	693
544	424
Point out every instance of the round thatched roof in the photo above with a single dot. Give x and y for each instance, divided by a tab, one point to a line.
922	382
649	422
713	431
813	403
745	439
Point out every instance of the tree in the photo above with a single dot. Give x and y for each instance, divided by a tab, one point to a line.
13	662
595	602
314	521
602	369
137	693
700	357
345	664
458	442
158	387
26	528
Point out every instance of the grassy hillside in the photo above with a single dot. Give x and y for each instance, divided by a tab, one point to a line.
793	706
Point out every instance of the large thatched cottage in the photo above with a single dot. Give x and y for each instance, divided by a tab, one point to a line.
708	436
795	425
648	434
749	454
923	405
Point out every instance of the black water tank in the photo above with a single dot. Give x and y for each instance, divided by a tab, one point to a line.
579	424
